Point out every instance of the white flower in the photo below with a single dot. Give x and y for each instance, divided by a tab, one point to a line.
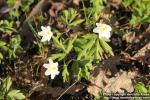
103	30
52	68
46	33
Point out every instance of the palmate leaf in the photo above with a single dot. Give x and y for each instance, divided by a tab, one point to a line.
6	93
26	5
68	17
58	56
66	48
85	47
70	44
82	68
76	69
140	87
99	51
145	19
148	90
72	14
106	47
85	73
1	95
91	52
16	95
6	84
58	44
128	2
90	36
1	56
65	73
76	22
2	43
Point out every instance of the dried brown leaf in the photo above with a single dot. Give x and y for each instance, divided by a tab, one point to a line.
76	2
143	54
98	81
119	83
129	37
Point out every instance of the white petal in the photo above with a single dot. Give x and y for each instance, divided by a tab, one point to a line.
98	24
96	30
100	36
49	37
50	61
47	72
109	28
48	28
44	39
57	72
40	33
106	35
46	65
52	76
56	64
43	28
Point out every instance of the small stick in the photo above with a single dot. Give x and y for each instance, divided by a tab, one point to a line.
67	90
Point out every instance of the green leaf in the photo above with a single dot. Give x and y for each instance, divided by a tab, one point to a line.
65	73
91	52
99	49
11	2
128	2
58	44
68	17
26	5
2	43
134	20
140	87
62	57
106	47
98	53
77	49
7	84
76	68
1	56
1	95
85	73
16	95
148	90
70	44
105	39
76	22
89	36
72	14
85	47
145	19
56	56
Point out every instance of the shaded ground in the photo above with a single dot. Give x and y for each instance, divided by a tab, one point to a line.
27	71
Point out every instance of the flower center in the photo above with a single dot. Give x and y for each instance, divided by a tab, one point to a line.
52	68
47	33
102	29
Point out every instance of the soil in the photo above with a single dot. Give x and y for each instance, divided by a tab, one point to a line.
27	71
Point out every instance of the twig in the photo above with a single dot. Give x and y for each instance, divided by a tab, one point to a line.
36	9
67	90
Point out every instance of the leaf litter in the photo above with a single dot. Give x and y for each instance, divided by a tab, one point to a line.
120	83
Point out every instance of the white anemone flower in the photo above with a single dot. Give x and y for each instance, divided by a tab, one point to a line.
52	68
46	33
103	30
